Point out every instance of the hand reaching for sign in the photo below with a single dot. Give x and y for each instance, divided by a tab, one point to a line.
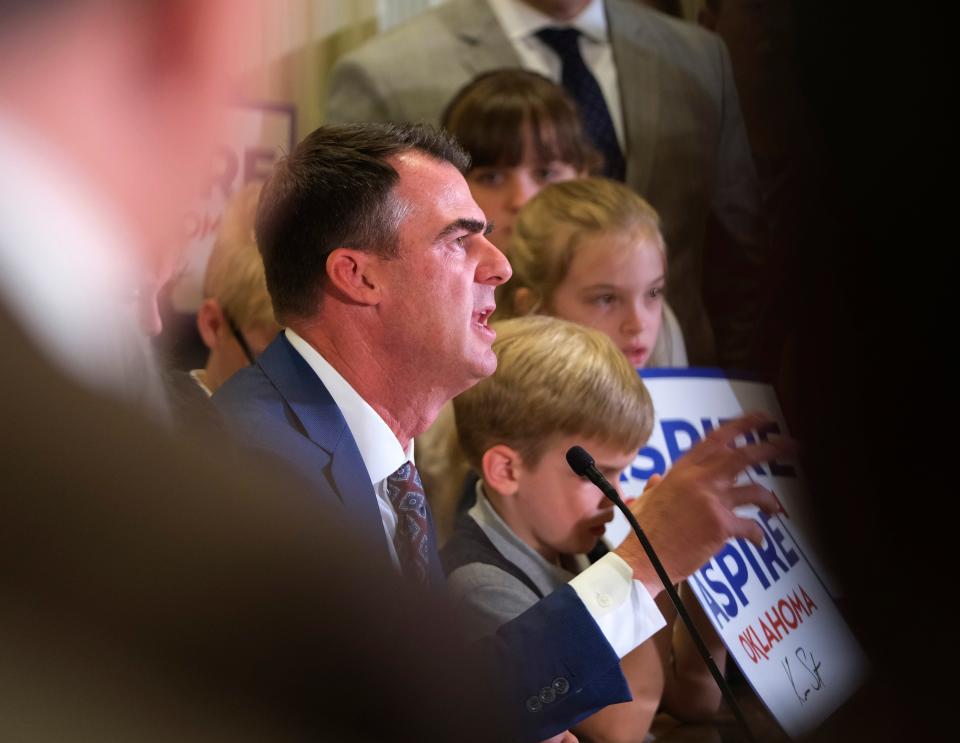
688	515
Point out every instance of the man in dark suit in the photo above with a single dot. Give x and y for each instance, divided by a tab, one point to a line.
155	588
664	89
378	265
152	588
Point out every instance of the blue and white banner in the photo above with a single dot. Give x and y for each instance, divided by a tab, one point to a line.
773	605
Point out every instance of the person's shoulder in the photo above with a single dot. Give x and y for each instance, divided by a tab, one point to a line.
488	596
410	72
681	39
254	411
478	574
477	577
654	21
248	387
405	38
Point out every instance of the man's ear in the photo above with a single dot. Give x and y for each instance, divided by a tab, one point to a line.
355	274
211	322
502	467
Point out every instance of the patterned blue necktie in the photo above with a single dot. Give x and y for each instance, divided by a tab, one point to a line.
412	539
585	90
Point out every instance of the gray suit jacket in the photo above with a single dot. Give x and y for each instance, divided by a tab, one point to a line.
687	150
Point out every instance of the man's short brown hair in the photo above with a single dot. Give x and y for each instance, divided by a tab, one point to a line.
335	190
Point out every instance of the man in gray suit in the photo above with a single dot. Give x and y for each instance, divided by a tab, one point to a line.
670	97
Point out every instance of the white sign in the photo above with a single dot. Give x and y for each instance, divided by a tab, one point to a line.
258	135
772	605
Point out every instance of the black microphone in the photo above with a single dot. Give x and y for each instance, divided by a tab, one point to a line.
583	465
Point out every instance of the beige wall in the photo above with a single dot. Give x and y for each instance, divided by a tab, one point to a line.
301	40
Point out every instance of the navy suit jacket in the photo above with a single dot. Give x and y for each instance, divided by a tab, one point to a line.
552	663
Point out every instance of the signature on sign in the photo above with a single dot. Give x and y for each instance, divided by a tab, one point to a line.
808	674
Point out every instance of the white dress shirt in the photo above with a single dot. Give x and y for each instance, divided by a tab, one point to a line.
200	377
520	22
379	448
624	610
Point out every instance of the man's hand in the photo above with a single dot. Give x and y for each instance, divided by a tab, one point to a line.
688	515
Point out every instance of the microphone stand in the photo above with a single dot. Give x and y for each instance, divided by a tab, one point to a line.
582	464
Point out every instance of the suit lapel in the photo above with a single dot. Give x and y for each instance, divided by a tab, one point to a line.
638	75
337	455
321	422
485	46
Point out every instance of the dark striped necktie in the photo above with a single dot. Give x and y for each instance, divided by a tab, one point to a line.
583	87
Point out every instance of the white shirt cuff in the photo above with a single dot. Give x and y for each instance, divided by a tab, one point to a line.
621	606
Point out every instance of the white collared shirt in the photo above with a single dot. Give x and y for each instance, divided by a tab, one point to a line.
200	377
379	448
520	22
624	610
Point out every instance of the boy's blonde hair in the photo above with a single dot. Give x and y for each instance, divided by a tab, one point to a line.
554	222
235	276
553	378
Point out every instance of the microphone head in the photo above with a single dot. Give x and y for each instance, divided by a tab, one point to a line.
579	460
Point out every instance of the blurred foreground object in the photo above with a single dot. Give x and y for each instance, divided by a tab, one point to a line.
152	589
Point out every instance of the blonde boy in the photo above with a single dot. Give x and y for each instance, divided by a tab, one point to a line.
236	318
558	384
